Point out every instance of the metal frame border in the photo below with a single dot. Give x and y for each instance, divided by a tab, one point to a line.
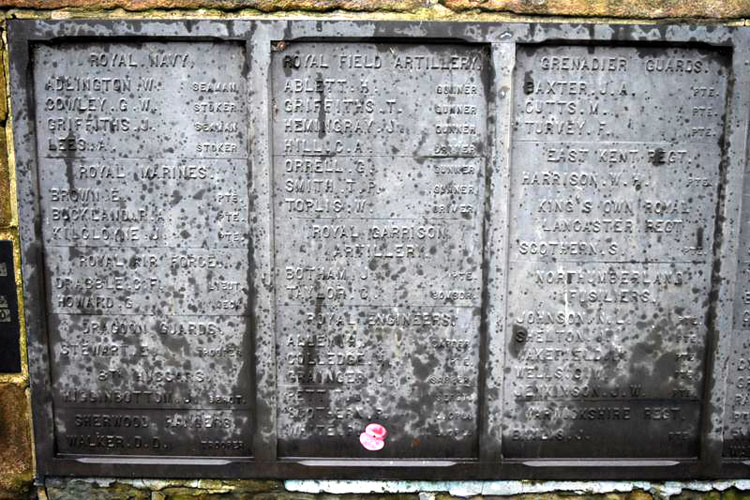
257	35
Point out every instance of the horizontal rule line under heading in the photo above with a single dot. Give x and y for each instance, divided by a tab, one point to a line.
144	247
384	218
248	409
676	142
138	158
154	315
411	157
585	261
322	305
596	400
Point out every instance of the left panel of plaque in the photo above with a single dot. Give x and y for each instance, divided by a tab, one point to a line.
143	183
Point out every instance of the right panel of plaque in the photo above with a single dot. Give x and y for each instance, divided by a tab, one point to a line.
614	185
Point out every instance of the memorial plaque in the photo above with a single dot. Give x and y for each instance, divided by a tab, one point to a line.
143	192
10	327
614	185
378	171
316	249
737	412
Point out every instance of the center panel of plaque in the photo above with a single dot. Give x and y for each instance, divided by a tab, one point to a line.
378	175
614	180
143	191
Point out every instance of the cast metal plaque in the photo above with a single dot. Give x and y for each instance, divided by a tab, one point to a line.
737	413
10	327
143	192
614	182
384	249
378	170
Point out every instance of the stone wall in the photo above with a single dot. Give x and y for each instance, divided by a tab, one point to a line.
16	454
74	489
16	462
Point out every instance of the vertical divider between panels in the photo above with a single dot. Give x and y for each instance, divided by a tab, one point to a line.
495	250
260	102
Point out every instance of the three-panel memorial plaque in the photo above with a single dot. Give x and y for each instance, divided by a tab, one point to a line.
385	249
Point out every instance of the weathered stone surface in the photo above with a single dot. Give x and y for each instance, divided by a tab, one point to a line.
75	489
15	442
646	9
735	494
696	495
189	493
3	87
248	486
639	495
61	488
284	495
219	489
6	216
5	210
263	5
557	496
